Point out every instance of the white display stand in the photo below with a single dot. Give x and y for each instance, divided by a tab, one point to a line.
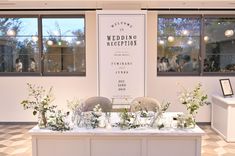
116	142
223	116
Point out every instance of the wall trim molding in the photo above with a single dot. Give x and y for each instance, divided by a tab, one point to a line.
203	123
18	123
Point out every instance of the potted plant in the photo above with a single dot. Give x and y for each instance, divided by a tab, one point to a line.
193	100
39	100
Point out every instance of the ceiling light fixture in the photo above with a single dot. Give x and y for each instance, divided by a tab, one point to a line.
229	33
11	32
206	38
49	42
170	38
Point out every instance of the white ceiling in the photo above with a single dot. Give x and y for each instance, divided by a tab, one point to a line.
114	4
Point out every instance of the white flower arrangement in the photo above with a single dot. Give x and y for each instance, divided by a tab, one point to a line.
39	100
92	118
194	99
73	104
75	107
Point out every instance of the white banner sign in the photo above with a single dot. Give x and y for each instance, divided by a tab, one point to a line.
121	54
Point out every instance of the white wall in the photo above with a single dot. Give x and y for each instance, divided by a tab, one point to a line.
14	89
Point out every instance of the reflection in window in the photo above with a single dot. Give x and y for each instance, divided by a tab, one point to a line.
18	45
178	44
64	45
220	44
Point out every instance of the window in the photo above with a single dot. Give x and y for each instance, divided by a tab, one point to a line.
19	45
42	45
219	44
178	45
64	45
196	45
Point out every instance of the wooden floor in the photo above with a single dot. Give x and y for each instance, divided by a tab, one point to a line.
15	141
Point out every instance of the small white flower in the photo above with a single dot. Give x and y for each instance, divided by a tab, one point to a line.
189	99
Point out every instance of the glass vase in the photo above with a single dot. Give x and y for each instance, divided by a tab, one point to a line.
186	121
181	121
190	121
156	120
42	120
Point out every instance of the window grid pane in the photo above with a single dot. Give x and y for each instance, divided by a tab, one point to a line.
219	42
64	45
178	45
19	45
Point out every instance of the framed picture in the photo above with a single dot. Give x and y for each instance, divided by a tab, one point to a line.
226	87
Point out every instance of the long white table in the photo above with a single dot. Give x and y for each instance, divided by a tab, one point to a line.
116	142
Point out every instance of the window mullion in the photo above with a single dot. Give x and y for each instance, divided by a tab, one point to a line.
40	41
202	46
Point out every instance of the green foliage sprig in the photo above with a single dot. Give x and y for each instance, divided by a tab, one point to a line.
92	118
164	107
126	120
57	121
95	115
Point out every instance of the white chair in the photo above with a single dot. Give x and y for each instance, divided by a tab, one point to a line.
90	103
145	103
